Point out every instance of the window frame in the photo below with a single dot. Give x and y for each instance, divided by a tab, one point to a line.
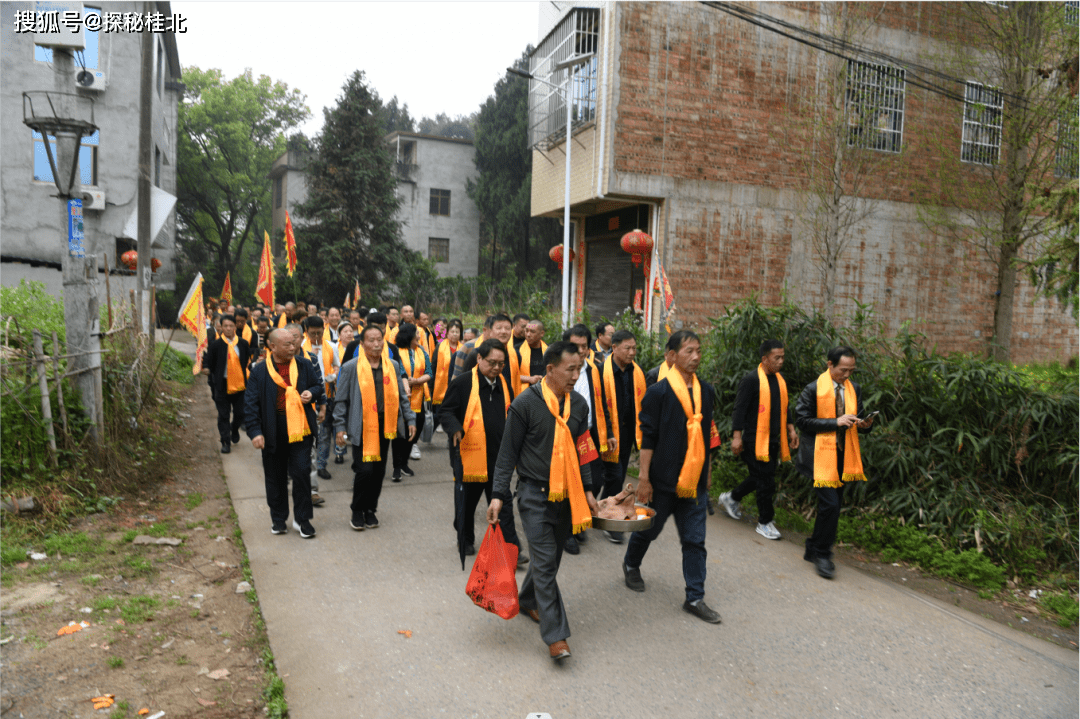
431	250
975	151
89	145
869	92
91	37
436	202
1067	149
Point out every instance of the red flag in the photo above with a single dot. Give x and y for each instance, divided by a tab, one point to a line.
356	295
347	302
264	290
226	290
290	246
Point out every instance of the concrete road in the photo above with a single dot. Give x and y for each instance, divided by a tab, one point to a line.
791	644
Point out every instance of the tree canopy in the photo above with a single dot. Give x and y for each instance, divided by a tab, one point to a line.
230	133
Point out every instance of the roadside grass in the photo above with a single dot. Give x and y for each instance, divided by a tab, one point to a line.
193	500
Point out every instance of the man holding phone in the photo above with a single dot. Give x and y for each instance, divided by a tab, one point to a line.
827	409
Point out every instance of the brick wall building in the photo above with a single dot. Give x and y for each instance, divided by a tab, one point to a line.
692	125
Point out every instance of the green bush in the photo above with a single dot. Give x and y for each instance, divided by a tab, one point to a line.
1062	604
175	365
31	307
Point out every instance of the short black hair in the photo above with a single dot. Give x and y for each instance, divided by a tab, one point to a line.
455	323
230	318
768	346
313	321
489	321
241	312
487	345
602	328
389	307
557	350
365	330
577	331
681	337
377	318
405	335
262	318
836	353
500	317
520	316
621	336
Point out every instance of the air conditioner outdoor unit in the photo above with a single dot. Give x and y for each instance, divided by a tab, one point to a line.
93	200
94	80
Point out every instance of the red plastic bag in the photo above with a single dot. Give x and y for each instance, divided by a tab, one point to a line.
492	585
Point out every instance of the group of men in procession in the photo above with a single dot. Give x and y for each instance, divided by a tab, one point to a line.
565	419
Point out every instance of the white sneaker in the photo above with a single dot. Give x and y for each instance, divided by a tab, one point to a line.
415	452
769	531
440	429
730	506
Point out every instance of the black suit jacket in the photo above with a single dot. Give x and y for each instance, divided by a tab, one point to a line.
260	400
492	406
809	425
663	430
216	358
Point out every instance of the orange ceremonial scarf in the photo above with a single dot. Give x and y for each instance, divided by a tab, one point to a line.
663	371
598	405
761	438
825	470
234	373
414	369
369	449
613	409
565	480
246	333
327	353
442	371
690	474
282	320
525	362
294	407
515	369
474	442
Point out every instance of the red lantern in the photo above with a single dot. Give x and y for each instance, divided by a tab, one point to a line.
130	259
638	244
155	264
556	255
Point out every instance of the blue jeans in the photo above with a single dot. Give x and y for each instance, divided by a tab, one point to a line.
326	439
690	517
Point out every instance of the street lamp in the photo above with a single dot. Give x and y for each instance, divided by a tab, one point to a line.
67	118
569	64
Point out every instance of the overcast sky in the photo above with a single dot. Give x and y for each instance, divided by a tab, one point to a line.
435	56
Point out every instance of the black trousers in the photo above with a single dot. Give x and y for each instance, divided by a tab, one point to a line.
401	445
615	474
368	477
821	541
467	496
762	481
226	403
288	461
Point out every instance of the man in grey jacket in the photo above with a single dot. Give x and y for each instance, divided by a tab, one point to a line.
349	424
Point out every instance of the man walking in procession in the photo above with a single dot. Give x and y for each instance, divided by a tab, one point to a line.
226	361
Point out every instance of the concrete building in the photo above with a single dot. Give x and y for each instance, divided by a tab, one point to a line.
31	217
288	188
689	124
438	218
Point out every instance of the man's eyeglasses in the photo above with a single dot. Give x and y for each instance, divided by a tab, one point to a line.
496	364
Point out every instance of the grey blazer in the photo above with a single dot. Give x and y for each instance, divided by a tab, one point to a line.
348	412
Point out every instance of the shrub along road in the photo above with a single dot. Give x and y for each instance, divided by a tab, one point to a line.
791	645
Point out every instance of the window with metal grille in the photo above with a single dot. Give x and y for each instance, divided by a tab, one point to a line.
1066	158
440	202
875	106
439	249
88	158
981	141
1072	12
577	34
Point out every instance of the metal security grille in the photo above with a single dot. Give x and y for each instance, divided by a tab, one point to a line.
1065	161
439	249
981	142
1072	12
577	34
875	106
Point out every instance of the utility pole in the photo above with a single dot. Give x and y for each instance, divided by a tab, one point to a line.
146	100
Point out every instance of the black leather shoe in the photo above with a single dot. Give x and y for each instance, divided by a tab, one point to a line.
571	546
396	476
701	611
339	459
236	438
225	449
825	567
633	578
582	537
407	471
470	549
324	474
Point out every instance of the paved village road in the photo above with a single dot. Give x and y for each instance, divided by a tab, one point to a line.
791	644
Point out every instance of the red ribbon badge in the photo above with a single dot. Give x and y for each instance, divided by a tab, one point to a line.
586	449
714	437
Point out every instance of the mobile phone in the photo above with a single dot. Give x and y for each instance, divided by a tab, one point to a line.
870	416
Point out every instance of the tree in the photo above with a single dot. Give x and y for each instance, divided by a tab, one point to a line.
842	157
1021	60
349	231
461	127
230	132
397	119
503	187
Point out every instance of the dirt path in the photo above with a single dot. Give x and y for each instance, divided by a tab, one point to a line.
163	621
